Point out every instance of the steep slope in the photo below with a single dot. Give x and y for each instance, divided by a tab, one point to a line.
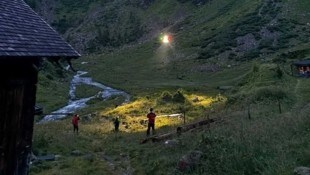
210	38
224	29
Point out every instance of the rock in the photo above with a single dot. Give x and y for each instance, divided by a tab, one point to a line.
302	171
106	158
33	157
49	157
76	153
99	94
190	160
247	42
88	117
104	119
171	143
123	155
88	157
57	157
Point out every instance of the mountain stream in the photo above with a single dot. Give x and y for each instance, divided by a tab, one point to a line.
75	104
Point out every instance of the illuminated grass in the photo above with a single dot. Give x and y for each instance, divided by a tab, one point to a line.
203	100
135	108
134	113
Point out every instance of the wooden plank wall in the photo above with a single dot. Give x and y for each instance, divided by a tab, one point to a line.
11	102
17	99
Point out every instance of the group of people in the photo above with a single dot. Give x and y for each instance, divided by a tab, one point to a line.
151	123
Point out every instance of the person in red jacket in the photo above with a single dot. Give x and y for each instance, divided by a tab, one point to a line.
151	116
75	123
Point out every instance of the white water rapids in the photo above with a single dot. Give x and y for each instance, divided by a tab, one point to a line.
75	104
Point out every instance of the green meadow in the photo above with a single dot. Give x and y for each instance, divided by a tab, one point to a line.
252	135
261	110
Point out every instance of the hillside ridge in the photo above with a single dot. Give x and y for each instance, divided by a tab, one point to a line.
240	30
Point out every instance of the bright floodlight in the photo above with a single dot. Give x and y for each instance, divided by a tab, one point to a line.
166	39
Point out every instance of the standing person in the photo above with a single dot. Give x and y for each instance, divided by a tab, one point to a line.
151	116
75	123
116	124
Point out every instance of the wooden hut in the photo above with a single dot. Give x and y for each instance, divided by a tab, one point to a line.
302	68
25	39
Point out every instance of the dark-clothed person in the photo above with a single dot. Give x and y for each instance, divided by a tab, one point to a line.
116	124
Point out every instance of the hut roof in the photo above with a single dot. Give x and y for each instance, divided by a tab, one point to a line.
25	34
302	63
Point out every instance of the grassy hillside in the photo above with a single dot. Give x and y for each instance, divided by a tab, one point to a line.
206	38
236	30
228	60
252	137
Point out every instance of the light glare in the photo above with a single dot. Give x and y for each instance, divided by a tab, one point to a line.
166	39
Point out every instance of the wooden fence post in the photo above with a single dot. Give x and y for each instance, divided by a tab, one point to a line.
249	112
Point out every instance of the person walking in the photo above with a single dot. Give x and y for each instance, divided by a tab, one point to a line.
151	117
75	123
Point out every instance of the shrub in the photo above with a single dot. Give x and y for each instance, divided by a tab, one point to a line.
297	54
204	55
166	96
265	43
279	59
252	54
235	98
279	72
178	97
49	76
255	68
232	56
41	142
270	93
